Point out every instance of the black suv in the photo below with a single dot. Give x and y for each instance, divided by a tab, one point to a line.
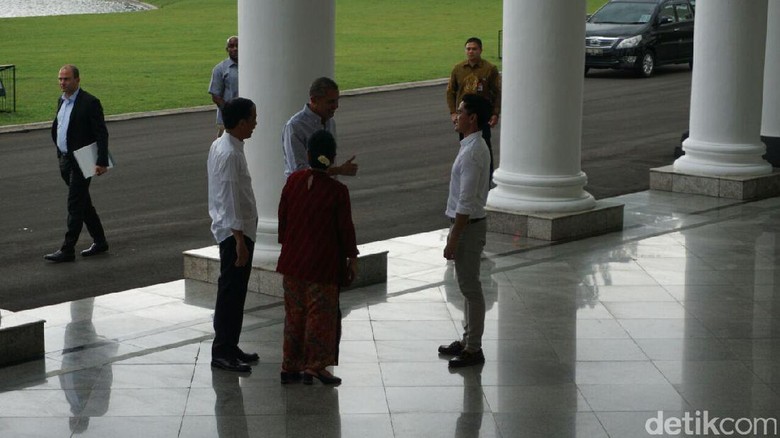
640	35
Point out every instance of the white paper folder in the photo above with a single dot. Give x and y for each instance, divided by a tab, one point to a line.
87	158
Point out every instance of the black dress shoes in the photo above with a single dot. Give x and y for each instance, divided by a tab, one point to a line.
232	364
247	357
59	256
467	358
308	378
95	249
290	377
454	349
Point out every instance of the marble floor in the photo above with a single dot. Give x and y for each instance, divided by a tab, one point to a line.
650	331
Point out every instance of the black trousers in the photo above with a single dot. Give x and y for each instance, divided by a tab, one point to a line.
486	136
80	209
231	296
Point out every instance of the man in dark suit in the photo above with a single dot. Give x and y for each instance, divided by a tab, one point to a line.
79	123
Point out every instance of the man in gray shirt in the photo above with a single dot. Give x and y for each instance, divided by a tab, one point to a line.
224	81
316	115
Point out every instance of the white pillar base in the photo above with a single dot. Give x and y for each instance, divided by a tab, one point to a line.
534	193
718	159
267	247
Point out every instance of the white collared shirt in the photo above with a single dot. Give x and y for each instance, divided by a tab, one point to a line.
296	133
63	120
470	178
231	199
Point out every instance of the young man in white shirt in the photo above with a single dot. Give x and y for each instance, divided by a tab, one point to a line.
469	185
234	226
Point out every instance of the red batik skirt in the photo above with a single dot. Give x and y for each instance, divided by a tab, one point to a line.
312	325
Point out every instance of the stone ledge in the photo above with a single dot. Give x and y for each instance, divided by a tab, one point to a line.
21	338
742	188
203	264
605	217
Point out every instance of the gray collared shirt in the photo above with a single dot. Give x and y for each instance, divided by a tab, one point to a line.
224	82
296	133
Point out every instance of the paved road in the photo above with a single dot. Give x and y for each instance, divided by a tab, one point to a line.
153	205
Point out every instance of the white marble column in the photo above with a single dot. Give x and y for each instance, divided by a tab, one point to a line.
770	115
284	46
541	123
726	91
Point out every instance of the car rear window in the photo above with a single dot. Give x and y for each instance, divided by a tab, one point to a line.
623	13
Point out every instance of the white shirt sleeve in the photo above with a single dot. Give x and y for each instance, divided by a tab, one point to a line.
469	185
227	199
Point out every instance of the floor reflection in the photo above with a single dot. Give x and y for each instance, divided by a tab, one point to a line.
313	411
81	337
587	339
469	422
229	405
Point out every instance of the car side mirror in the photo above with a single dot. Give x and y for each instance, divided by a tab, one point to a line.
665	20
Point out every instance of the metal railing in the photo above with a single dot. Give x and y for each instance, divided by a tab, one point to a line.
8	88
500	43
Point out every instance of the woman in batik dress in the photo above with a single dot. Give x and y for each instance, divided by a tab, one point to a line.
319	255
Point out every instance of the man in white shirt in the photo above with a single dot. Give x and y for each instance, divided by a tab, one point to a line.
234	225
316	115
469	185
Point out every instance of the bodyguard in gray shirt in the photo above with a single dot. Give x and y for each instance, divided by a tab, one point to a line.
224	81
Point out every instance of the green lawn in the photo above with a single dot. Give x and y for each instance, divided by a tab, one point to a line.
163	58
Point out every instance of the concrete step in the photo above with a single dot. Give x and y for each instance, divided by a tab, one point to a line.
605	217
203	265
743	188
21	338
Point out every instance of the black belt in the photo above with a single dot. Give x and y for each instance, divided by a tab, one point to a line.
471	221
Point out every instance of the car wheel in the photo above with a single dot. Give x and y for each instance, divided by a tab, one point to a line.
647	67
